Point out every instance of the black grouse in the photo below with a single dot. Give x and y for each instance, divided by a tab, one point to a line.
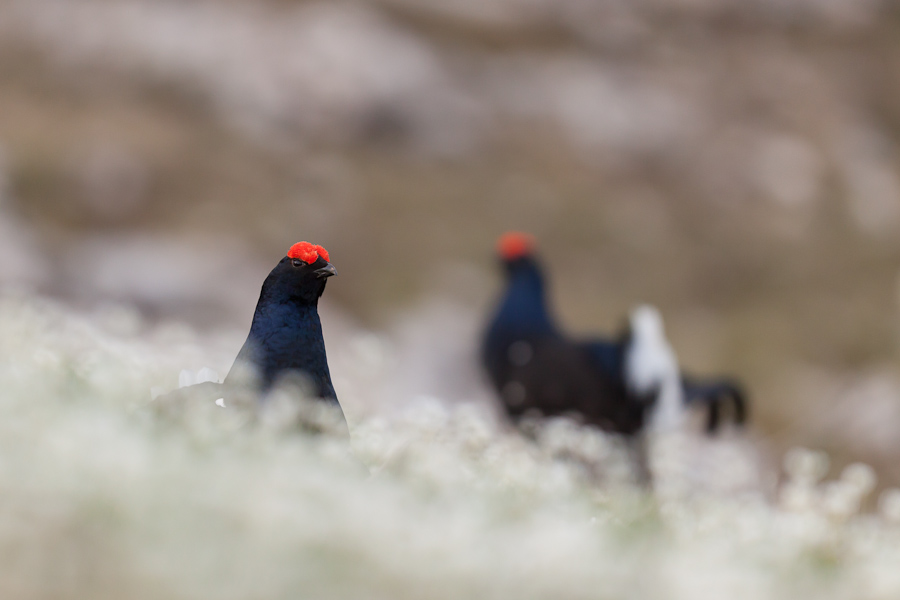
285	338
617	385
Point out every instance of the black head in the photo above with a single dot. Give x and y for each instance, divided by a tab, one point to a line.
521	265
301	275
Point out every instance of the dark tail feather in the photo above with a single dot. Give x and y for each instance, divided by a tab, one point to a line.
713	394
712	418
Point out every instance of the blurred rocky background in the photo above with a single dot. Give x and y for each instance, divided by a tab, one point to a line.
734	162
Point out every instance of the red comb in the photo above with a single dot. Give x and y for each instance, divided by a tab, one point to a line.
515	244
307	252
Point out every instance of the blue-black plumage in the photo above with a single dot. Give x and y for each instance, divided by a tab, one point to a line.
286	332
619	384
535	367
285	339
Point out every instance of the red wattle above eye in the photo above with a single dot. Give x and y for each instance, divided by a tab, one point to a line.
307	252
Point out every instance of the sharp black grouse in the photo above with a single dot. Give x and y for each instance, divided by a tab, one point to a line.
285	338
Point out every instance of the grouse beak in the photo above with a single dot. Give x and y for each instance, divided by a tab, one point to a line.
326	271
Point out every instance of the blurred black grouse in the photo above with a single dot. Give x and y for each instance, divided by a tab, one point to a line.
617	385
286	333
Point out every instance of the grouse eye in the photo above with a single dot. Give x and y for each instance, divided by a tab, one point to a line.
297	262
